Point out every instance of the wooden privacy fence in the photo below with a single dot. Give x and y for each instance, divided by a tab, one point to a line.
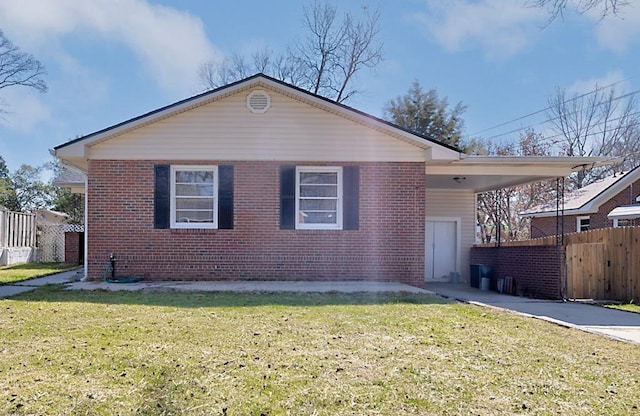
601	264
604	264
17	229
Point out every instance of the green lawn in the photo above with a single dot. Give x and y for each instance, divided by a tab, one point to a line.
25	271
629	307
72	352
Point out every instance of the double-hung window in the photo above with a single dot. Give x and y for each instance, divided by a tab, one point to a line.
194	197
583	223
319	198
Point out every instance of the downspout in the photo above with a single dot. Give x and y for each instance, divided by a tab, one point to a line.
86	228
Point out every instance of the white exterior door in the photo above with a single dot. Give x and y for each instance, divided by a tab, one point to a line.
441	257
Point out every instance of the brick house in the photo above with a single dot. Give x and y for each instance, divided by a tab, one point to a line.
263	180
591	207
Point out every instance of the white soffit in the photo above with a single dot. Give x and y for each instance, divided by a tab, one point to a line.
486	173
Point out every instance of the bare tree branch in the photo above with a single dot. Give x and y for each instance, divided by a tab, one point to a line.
325	61
557	8
18	68
597	124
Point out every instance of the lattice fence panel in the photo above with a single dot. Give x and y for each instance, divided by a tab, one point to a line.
51	240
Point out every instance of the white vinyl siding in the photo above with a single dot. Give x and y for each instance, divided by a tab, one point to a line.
194	197
460	205
319	198
227	130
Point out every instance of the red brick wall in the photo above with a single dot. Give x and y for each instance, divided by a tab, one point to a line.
544	226
72	248
537	270
388	246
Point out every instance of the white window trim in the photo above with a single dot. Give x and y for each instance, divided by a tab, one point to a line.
208	225
616	223
305	226
580	218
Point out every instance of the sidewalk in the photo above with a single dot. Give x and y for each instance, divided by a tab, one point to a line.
27	285
620	325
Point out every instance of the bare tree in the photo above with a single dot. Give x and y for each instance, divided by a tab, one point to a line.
498	210
325	61
557	8
600	123
333	52
18	68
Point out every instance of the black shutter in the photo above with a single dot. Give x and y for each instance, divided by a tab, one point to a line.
225	197
161	196
351	198
287	197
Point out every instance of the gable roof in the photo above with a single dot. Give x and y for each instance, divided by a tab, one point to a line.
588	199
446	167
266	81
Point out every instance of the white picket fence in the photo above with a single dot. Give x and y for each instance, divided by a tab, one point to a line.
17	229
17	237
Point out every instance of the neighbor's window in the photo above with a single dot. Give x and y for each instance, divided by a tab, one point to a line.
319	198
583	224
622	222
194	195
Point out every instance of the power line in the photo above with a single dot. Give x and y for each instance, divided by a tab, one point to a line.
596	89
564	115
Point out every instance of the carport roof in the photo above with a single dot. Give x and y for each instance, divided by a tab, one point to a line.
487	173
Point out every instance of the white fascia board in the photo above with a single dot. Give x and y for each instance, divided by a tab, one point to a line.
535	166
437	153
575	211
574	163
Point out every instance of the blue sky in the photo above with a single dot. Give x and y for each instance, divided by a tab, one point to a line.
111	60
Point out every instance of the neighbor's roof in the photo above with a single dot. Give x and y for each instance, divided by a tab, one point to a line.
587	199
70	179
625	212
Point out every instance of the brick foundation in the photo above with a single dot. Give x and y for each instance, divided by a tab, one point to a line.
388	246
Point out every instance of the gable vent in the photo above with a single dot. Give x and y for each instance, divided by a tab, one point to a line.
258	101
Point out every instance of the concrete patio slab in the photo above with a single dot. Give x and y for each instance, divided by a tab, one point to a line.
248	286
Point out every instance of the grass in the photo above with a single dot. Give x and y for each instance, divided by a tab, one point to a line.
72	352
629	307
25	271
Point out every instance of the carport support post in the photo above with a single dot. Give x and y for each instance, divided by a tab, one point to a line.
562	264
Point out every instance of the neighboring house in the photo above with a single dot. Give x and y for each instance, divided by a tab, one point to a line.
263	180
50	216
71	179
597	205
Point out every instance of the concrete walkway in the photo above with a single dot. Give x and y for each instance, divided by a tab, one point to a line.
31	284
620	325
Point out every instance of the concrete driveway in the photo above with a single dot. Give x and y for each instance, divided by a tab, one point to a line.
620	325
